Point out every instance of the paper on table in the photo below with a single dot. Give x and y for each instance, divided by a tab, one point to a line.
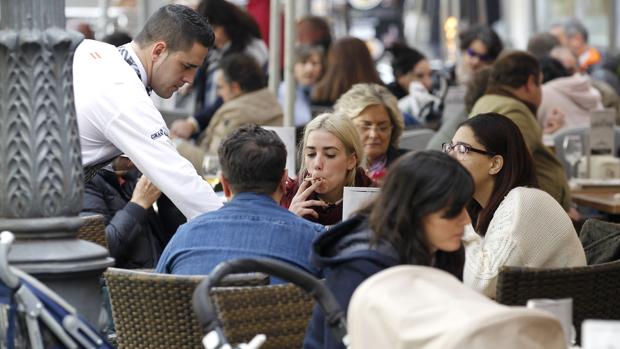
354	198
600	334
287	135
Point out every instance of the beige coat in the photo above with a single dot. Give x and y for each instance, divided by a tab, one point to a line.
259	107
549	170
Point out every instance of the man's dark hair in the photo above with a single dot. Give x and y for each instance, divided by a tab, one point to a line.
243	69
552	69
252	160
486	35
513	70
178	26
541	44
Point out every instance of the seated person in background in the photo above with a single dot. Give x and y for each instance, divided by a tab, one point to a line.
475	88
348	63
241	84
515	223
514	90
252	224
309	65
418	218
134	231
374	112
567	100
236	31
412	85
331	159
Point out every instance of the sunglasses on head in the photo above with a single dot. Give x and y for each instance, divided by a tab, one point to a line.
484	58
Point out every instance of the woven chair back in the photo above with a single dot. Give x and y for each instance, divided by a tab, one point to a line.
594	289
281	312
155	310
93	230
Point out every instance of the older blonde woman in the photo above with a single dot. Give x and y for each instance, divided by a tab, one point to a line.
375	114
331	158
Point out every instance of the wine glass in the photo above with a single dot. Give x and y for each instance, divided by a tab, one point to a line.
573	150
211	168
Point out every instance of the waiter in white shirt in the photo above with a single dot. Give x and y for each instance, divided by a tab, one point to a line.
116	115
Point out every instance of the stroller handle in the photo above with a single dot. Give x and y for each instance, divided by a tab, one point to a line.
6	274
207	315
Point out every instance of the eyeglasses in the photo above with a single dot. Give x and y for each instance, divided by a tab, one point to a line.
483	58
462	149
380	128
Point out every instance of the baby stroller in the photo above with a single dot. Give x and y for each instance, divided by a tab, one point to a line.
444	313
208	317
33	316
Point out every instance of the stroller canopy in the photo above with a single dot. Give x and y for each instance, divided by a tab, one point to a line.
426	308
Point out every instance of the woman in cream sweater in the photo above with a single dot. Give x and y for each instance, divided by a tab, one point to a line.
513	222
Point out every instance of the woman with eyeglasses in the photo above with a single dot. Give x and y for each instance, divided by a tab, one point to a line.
331	157
514	223
418	219
375	114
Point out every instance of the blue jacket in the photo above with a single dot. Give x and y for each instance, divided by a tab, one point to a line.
251	225
347	259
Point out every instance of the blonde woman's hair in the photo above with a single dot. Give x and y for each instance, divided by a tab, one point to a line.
361	96
341	127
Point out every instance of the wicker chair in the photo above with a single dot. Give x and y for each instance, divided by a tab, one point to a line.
281	312
93	230
601	241
594	289
155	310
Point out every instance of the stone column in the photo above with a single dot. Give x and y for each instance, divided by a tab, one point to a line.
41	179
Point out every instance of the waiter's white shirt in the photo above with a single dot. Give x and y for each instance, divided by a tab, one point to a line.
116	115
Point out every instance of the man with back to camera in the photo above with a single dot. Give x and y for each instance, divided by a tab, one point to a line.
252	224
116	115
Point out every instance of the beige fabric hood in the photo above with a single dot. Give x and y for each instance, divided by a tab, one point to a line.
426	308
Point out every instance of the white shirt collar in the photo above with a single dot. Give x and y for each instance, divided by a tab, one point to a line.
136	59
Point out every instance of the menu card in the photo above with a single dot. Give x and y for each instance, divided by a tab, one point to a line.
602	132
355	198
600	334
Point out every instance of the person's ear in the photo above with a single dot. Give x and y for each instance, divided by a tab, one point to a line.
497	163
225	187
158	50
282	185
351	162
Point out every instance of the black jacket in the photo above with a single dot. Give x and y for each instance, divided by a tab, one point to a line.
345	255
135	236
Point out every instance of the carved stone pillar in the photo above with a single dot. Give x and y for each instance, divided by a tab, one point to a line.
41	179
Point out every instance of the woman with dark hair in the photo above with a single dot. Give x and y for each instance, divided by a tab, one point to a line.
235	32
418	219
515	223
408	65
348	63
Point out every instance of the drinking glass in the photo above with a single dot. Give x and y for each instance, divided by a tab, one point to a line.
211	167
573	150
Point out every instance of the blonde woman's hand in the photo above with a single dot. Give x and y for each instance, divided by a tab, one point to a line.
300	205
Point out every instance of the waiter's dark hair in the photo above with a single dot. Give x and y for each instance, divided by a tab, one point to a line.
178	26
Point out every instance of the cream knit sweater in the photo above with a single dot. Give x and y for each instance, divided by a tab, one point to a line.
528	229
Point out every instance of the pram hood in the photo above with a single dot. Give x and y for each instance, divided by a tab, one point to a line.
426	308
